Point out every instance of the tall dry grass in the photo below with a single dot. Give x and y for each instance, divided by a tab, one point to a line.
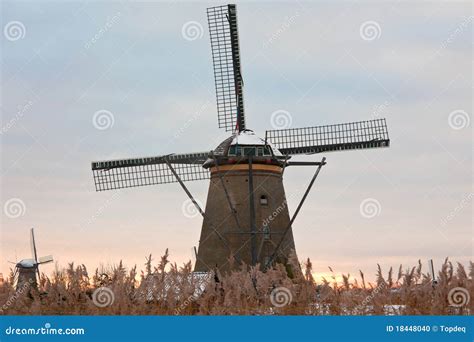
168	289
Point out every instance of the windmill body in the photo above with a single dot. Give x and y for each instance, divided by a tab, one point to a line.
246	218
26	273
246	212
27	270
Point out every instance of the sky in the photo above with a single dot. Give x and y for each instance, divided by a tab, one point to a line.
83	81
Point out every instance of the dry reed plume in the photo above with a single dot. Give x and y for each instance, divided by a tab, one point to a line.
166	289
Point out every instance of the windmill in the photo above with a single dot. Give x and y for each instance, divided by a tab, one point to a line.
246	218
27	269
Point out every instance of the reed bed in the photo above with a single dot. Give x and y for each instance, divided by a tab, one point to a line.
169	289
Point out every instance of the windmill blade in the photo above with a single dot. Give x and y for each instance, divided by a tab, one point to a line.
226	61
34	254
347	136
33	250
45	259
127	173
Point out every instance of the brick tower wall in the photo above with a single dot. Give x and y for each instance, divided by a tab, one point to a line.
221	236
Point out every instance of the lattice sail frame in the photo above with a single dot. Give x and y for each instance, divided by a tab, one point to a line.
224	36
127	173
346	136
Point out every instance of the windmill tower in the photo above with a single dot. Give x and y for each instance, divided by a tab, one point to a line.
27	269
246	215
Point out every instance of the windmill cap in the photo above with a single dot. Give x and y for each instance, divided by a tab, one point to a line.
27	263
245	137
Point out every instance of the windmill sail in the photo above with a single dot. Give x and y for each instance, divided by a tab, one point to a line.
347	136
126	173
226	61
45	259
34	254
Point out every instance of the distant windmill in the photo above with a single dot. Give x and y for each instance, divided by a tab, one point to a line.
246	215
27	269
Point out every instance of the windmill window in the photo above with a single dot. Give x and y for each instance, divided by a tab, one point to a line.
266	233
267	151
259	151
238	151
263	200
249	151
232	150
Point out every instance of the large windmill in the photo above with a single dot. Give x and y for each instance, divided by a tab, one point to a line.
27	269
246	216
